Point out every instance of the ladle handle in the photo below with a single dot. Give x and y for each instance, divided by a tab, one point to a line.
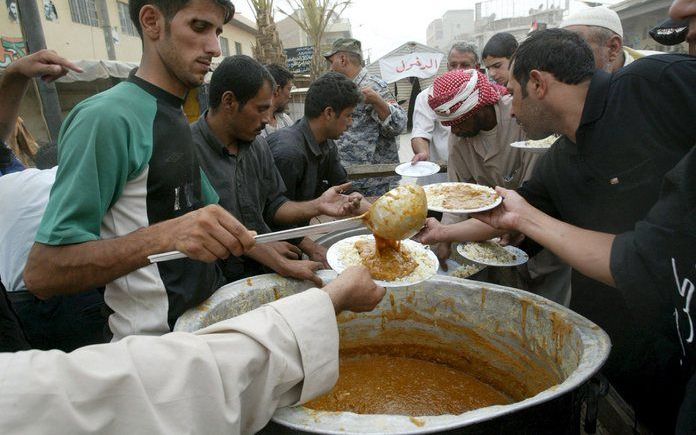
292	233
310	230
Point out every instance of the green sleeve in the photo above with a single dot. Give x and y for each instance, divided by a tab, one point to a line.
210	196
98	152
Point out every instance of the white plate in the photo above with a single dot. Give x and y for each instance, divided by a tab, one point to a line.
536	146
534	150
496	203
333	257
420	169
453	266
521	257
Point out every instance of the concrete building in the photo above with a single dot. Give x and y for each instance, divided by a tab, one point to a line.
492	16
434	34
77	30
83	30
293	36
638	17
455	25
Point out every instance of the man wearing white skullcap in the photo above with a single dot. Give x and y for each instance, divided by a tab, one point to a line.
601	28
478	113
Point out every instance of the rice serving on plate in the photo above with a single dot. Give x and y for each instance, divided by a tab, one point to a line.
349	256
466	270
541	143
460	196
489	252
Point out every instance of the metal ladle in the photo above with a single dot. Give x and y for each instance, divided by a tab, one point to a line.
398	214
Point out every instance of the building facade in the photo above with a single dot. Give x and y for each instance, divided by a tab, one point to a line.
92	30
504	18
638	17
434	34
454	26
101	30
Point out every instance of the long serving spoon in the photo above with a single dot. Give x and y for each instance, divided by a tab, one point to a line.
398	214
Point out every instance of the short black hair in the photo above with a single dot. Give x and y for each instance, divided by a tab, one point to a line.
169	8
241	75
331	90
500	45
280	74
556	51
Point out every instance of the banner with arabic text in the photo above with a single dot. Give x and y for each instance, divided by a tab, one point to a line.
300	59
422	65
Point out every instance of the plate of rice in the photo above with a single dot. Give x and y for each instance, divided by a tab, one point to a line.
536	146
353	250
461	198
464	270
490	253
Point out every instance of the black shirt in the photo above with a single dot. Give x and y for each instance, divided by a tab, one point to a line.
656	263
307	167
636	125
248	184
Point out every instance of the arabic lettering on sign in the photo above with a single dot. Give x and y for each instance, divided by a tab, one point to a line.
420	64
415	64
299	59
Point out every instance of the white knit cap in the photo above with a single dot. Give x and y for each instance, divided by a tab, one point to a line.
600	16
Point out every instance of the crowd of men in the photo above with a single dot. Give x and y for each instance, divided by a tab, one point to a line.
614	199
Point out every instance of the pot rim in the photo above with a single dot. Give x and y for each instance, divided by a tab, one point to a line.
596	346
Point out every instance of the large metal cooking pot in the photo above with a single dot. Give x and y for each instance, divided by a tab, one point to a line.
540	349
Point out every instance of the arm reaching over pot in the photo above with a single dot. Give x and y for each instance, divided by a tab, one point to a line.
231	375
354	290
586	251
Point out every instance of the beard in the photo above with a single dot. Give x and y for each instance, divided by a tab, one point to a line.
176	65
468	134
535	120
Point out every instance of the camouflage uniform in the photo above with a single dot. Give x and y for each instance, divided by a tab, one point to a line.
371	141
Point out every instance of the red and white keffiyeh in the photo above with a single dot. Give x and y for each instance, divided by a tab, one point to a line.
459	94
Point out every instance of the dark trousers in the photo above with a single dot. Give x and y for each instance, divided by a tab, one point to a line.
62	322
12	338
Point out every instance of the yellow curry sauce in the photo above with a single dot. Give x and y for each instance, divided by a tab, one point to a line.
385	259
392	384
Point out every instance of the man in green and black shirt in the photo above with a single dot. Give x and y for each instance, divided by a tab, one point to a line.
129	184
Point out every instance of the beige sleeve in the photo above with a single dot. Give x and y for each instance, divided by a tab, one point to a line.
227	378
457	168
457	171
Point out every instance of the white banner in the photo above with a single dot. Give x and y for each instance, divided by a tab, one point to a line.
422	65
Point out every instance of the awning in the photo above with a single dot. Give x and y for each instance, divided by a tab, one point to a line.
98	69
